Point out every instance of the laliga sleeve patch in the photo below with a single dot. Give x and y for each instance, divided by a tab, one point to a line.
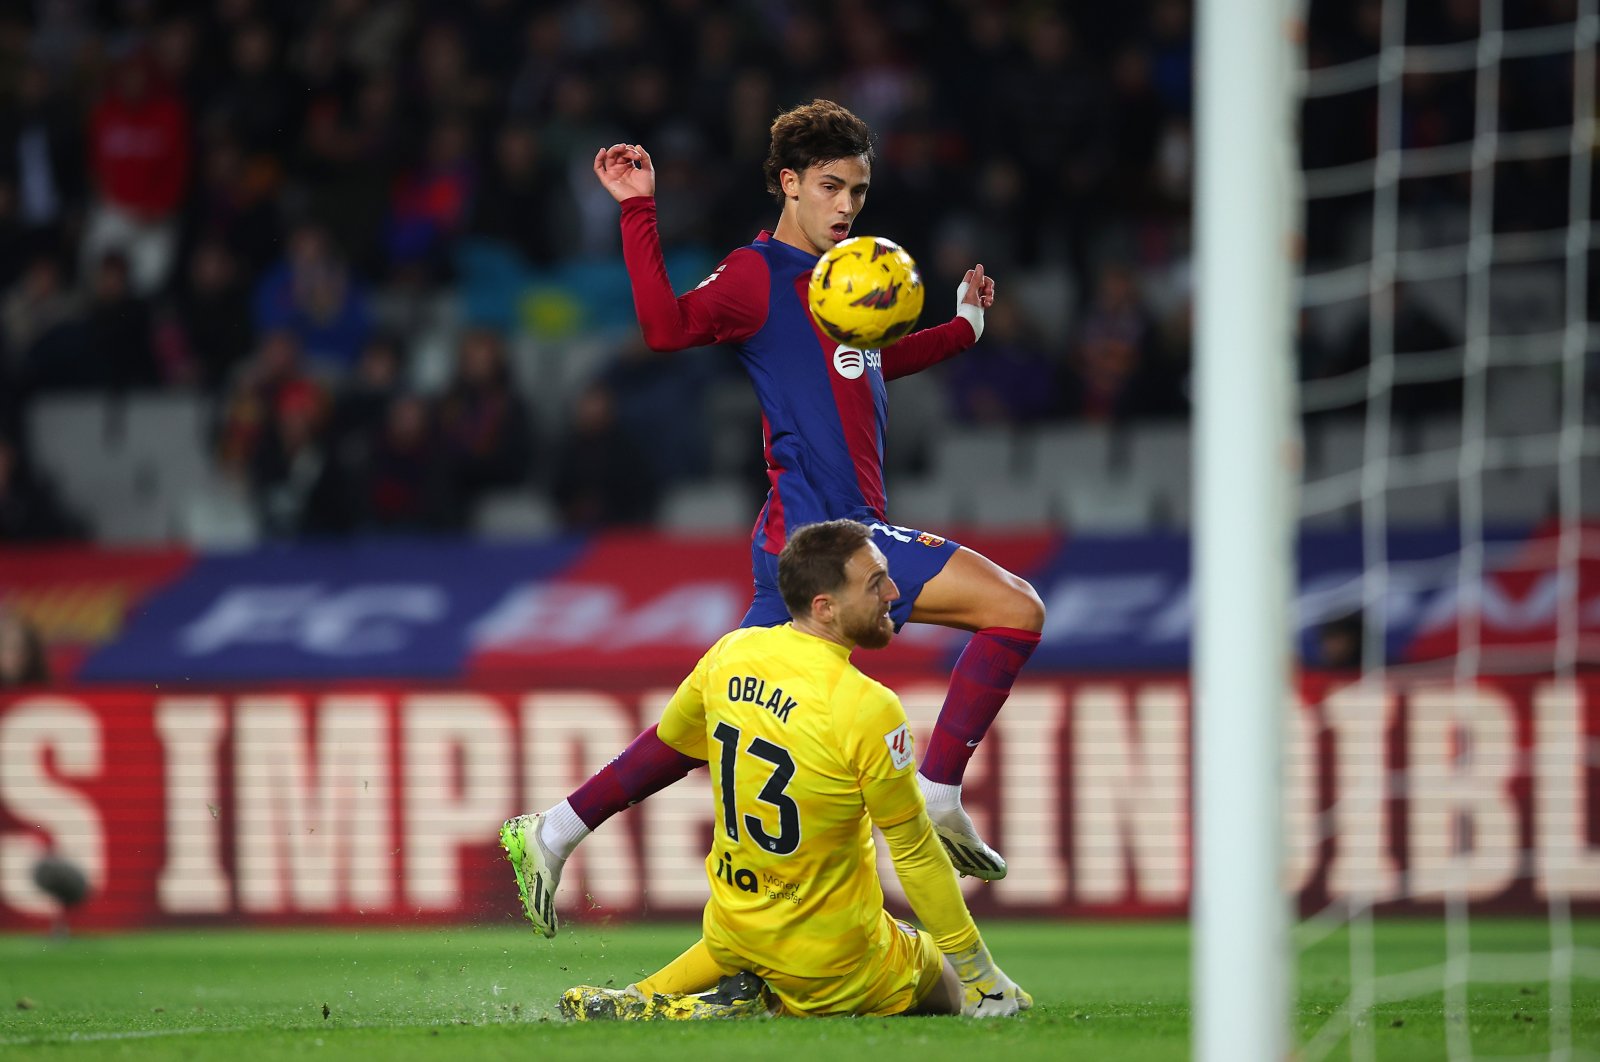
901	753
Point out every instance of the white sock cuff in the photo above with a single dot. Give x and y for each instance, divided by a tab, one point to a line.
940	796
561	830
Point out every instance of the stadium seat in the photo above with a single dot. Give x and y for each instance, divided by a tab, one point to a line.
128	465
968	457
1523	400
1519	496
714	506
1111	505
925	504
1010	504
216	514
1159	456
1049	454
1334	447
916	416
514	514
1438	435
735	425
1427	505
67	437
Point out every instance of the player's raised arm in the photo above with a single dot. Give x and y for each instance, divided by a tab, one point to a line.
928	347
711	313
625	170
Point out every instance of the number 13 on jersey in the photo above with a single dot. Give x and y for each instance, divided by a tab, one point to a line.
778	766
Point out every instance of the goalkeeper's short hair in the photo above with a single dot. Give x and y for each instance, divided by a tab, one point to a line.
813	560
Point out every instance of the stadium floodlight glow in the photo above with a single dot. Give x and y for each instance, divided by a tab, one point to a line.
1242	562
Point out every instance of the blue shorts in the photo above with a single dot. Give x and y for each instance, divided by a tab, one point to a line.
914	557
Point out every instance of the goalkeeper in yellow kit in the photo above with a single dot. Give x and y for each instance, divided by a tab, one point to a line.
806	755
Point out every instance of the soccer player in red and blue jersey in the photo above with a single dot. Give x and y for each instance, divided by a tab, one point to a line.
823	411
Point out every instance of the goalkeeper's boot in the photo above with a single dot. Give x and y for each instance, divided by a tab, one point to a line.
968	854
740	995
538	870
986	990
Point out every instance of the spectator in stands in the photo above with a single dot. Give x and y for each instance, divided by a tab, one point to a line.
603	476
44	331
546	58
428	207
485	427
253	396
349	157
139	159
407	485
293	484
30	511
119	329
235	205
660	397
257	101
23	661
312	293
213	313
1417	330
1006	379
41	160
524	200
1115	371
361	405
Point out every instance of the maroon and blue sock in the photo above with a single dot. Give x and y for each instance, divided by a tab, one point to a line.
979	686
647	766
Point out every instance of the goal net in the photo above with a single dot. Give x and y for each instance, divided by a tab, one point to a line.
1449	601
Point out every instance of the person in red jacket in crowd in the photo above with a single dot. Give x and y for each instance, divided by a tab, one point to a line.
139	160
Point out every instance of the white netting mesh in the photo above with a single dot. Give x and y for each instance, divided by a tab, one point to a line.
1448	320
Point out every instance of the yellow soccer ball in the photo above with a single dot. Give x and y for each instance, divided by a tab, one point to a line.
865	292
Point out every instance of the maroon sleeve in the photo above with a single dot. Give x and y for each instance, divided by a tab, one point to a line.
924	349
728	306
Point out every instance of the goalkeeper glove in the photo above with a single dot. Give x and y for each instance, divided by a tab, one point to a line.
986	991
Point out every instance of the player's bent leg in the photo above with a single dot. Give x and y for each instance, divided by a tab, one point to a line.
1005	615
696	970
538	870
539	845
738	995
972	592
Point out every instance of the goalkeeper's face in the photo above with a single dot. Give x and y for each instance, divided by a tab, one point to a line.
861	606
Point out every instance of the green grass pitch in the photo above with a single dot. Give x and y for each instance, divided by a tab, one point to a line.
1102	991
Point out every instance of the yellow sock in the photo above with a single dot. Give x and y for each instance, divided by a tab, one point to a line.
693	971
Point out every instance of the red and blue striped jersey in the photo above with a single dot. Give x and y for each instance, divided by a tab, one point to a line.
824	408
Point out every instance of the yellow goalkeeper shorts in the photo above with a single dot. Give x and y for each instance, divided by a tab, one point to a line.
897	976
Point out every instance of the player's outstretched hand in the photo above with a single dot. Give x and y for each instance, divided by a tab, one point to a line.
974	295
625	170
976	289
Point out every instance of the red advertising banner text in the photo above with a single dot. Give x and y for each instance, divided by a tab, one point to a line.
381	804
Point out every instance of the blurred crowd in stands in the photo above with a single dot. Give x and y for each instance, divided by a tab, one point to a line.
222	196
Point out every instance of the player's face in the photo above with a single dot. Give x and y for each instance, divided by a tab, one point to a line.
826	199
863	604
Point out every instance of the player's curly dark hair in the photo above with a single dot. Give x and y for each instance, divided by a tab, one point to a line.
819	131
813	560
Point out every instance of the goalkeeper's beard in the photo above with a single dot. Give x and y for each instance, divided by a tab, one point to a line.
874	630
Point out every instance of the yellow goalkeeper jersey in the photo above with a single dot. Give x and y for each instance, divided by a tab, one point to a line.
806	753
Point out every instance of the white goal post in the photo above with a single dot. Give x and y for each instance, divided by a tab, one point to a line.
1243	555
